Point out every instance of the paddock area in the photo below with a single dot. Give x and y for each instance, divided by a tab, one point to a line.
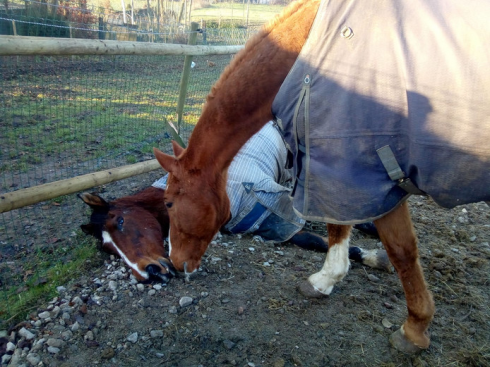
243	308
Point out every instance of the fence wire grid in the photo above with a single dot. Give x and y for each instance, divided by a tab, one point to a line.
66	116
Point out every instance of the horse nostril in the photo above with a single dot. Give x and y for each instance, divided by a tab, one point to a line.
153	269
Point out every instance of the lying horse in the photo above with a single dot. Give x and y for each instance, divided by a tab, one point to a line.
380	71
135	227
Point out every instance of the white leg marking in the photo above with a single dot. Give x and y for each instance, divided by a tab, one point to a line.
334	270
106	238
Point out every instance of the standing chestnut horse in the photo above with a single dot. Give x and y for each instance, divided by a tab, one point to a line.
399	61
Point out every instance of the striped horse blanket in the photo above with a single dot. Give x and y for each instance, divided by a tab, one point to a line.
258	187
389	98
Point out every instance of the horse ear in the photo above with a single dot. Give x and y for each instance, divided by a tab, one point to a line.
178	150
93	200
167	162
88	229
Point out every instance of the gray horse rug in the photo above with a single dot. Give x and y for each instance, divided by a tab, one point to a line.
387	99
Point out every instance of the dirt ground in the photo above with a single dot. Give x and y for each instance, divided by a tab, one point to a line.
245	309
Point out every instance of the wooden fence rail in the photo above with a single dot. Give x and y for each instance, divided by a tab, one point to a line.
21	46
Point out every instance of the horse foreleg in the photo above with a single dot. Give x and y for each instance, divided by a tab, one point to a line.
398	236
336	264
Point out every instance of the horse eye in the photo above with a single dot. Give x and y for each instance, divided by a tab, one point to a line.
120	222
169	205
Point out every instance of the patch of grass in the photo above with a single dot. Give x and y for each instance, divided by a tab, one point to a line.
131	159
46	276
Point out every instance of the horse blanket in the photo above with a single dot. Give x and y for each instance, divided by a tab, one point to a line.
383	86
258	187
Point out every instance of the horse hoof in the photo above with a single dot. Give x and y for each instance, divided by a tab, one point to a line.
307	290
383	261
377	259
400	342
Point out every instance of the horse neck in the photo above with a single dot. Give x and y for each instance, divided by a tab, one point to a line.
150	199
240	102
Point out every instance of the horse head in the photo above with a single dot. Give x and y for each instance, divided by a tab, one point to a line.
197	206
133	228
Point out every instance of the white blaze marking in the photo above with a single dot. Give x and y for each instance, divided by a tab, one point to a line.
169	244
106	237
334	269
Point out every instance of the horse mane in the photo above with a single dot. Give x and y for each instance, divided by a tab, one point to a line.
244	54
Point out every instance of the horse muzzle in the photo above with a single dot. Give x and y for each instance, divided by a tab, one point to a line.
162	272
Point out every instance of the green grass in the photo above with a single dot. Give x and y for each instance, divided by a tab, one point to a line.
76	115
41	278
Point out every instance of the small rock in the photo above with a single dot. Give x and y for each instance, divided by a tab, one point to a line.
44	315
279	362
10	347
228	344
6	358
33	359
66	335
107	353
26	334
61	289
172	309
185	301
112	285
53	350
373	278
89	335
151	292
296	360
156	333
240	310
53	342
133	338
140	287
157	287
77	301
75	326
386	323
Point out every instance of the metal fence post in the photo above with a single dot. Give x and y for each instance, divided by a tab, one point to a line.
184	81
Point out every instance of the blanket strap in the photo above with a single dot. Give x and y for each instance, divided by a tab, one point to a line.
304	98
395	172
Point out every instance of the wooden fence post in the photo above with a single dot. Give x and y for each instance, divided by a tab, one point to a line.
101	28
14	29
184	81
204	36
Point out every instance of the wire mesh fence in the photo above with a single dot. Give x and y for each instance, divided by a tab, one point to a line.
66	116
